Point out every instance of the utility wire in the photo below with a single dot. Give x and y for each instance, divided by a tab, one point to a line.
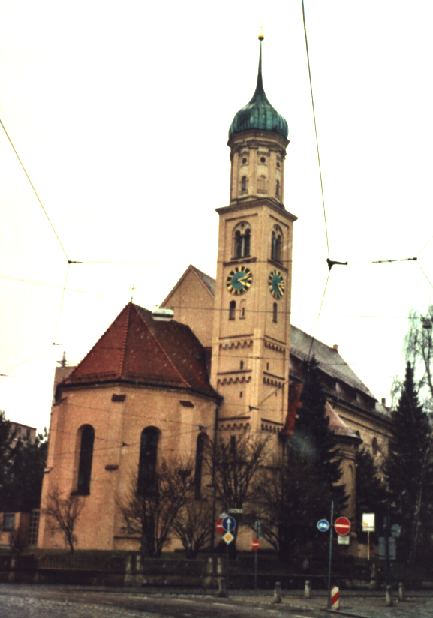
315	126
34	190
313	339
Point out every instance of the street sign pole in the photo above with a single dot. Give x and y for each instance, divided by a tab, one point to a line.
331	519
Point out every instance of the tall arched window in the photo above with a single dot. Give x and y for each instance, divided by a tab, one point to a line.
277	189
232	310
244	184
198	471
275	312
277	244
242	310
146	483
86	436
242	240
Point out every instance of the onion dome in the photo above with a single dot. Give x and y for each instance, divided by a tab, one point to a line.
259	114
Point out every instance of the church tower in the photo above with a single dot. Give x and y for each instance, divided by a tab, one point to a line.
251	330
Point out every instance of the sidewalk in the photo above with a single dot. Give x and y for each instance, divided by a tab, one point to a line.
363	604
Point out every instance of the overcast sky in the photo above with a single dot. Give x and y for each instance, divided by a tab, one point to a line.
120	111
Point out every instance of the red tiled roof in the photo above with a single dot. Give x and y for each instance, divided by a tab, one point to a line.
136	348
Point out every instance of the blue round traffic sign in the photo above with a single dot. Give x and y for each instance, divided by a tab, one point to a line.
323	525
229	523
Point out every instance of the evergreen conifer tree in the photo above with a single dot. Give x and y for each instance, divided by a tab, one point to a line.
312	470
409	471
313	437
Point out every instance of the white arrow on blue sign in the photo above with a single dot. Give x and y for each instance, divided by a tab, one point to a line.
323	525
229	523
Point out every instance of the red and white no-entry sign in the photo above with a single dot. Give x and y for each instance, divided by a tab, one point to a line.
342	526
219	525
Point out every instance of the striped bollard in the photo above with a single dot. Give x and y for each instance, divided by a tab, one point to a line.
335	598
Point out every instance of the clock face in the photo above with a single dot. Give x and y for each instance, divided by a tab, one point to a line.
276	284
239	280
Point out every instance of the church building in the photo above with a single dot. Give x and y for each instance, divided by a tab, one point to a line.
156	382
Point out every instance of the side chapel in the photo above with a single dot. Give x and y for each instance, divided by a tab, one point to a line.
228	361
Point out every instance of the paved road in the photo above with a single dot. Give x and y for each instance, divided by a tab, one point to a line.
17	601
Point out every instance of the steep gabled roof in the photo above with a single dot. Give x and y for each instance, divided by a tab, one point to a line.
207	281
330	362
138	349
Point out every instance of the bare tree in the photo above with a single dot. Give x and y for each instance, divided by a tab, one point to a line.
233	465
194	525
63	514
150	512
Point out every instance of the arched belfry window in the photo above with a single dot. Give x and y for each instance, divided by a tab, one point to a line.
86	436
244	184
232	310
275	313
277	189
277	244
199	459
242	240
146	483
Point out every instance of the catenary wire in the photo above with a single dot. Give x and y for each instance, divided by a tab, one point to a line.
38	198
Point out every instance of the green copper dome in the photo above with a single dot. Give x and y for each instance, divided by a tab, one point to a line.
259	114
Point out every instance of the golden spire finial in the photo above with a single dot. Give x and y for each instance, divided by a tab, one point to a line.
261	35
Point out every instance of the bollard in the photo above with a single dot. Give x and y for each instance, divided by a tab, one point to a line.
388	596
335	598
373	577
307	589
277	593
400	591
222	588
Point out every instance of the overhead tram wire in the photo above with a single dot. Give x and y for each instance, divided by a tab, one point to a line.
329	262
36	194
51	224
315	126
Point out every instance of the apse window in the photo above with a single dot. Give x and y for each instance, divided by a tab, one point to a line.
86	435
146	481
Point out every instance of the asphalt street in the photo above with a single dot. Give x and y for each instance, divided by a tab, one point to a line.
22	601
